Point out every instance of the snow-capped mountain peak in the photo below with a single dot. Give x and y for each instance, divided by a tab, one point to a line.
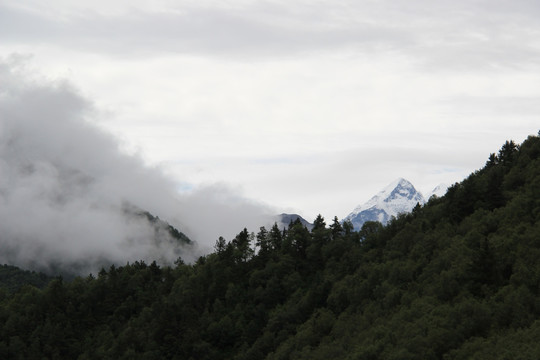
398	197
439	191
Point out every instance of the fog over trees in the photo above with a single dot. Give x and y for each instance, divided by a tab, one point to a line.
65	186
454	279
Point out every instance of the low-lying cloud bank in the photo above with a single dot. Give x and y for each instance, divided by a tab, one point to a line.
65	185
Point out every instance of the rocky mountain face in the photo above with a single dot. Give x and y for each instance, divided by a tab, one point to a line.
284	220
398	197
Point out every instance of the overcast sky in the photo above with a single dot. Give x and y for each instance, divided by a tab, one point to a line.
306	106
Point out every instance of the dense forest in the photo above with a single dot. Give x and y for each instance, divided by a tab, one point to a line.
457	278
12	278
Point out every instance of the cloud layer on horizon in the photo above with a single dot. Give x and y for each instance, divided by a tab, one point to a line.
65	184
310	105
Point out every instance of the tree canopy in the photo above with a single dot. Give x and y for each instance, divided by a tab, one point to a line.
457	278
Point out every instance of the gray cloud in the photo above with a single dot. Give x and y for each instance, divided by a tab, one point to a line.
64	188
441	35
247	32
492	106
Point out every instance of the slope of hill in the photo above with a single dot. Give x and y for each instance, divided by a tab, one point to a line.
455	279
12	278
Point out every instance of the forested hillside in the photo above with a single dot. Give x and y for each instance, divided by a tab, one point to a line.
458	278
12	278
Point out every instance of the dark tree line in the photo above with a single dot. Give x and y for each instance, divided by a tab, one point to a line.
458	278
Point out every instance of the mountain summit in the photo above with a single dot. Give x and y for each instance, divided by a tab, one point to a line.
439	191
398	197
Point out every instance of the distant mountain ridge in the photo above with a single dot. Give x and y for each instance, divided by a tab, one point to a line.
398	197
285	219
439	191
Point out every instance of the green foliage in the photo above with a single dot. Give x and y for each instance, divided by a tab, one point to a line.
160	224
12	278
458	278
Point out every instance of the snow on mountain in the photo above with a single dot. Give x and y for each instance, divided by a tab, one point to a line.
398	197
439	191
